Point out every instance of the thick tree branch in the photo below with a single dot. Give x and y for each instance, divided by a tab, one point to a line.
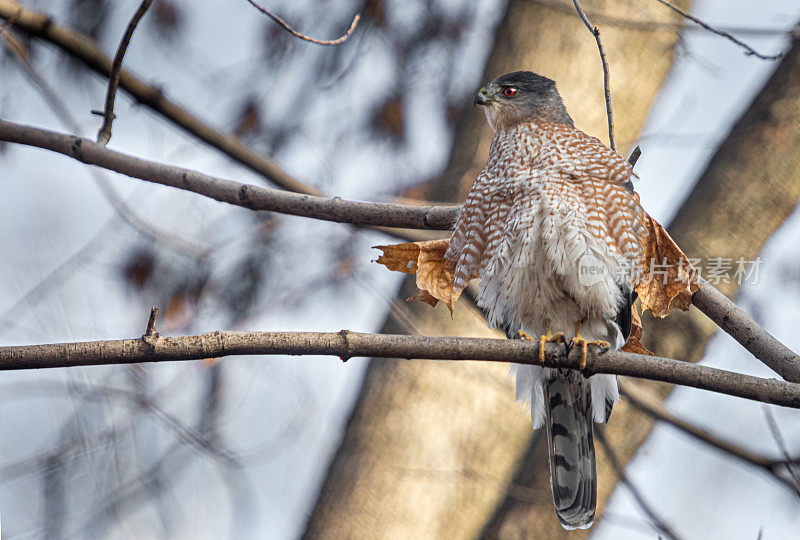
245	195
347	345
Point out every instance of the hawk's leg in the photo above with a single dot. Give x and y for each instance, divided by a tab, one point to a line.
549	337
580	340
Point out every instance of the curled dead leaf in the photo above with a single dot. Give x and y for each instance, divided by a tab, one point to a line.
426	260
668	278
634	343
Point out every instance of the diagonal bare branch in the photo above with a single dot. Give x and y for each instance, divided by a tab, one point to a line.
776	434
244	195
744	329
636	396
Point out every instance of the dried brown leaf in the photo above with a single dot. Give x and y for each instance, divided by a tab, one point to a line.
669	280
426	260
634	343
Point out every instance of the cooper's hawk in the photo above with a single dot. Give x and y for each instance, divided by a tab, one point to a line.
550	226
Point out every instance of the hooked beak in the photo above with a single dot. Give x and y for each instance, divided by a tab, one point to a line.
482	97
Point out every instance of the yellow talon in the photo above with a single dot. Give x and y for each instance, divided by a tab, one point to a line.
546	338
580	340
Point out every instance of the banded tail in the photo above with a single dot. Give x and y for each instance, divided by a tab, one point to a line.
573	475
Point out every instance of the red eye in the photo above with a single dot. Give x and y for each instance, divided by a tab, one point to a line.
509	91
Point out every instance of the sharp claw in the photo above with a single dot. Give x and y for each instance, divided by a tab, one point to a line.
546	338
542	341
578	339
584	348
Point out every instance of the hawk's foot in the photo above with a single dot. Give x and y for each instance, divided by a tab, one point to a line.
546	338
584	344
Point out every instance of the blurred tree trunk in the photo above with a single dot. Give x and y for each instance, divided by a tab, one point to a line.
749	188
430	448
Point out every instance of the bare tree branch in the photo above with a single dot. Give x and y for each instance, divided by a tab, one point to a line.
636	153
150	331
748	49
297	34
244	195
82	48
606	74
744	329
347	345
104	135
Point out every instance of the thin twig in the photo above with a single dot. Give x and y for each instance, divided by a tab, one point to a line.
637	397
651	25
151	323
635	155
347	344
104	135
748	49
776	434
655	519
606	74
297	34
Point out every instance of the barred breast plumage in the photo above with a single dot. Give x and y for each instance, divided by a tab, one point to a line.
550	227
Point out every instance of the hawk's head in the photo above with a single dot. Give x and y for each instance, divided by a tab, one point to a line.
519	97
